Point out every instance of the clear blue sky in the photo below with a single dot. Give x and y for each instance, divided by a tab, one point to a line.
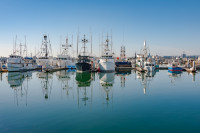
169	26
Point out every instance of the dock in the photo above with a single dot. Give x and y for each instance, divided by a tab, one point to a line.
162	68
56	69
3	70
123	68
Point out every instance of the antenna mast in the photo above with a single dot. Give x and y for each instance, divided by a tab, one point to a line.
45	44
84	42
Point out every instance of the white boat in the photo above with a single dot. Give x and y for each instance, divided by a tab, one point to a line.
29	64
106	61
44	60
145	61
15	63
149	65
64	60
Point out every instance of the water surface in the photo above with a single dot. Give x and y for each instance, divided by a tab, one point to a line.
66	101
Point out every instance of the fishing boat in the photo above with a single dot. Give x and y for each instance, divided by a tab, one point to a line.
44	60
150	65
145	62
64	60
106	61
122	61
84	62
191	68
15	61
29	64
173	67
3	67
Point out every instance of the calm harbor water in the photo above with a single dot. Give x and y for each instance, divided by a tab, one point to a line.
66	101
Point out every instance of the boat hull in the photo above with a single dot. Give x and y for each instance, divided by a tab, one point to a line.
107	66
174	72
81	67
175	69
123	64
45	63
15	67
66	64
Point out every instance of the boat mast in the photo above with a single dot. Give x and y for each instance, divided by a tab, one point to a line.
77	44
91	45
25	46
72	47
111	42
20	50
15	45
50	48
102	43
123	52
60	44
145	50
84	46
66	46
107	45
45	44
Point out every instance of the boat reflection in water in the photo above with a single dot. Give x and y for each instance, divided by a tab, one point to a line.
46	83
65	76
107	81
146	78
1	75
16	82
122	75
83	81
174	75
193	75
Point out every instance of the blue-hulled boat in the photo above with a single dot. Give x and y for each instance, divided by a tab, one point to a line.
123	64
174	67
